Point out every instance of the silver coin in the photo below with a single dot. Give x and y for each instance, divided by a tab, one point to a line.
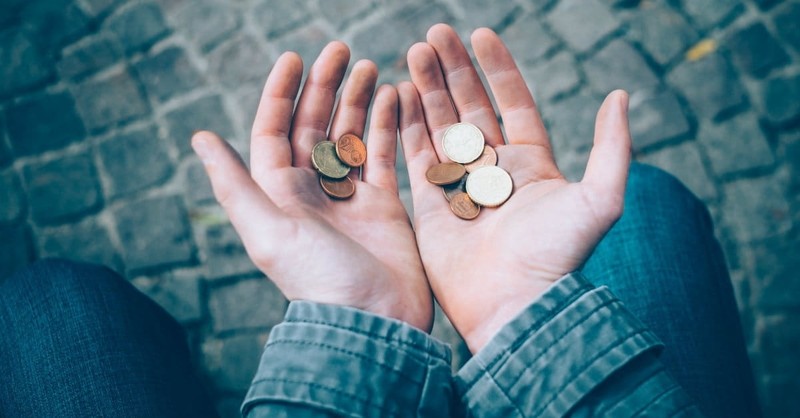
489	186
463	142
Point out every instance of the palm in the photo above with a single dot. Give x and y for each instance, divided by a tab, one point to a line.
486	270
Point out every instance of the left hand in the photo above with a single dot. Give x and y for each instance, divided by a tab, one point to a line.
359	252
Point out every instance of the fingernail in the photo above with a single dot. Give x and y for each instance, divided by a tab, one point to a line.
200	146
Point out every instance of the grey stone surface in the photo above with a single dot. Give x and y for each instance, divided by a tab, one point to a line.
238	62
87	240
755	50
736	145
251	303
198	187
27	133
787	24
225	255
101	7
342	12
154	233
649	25
206	22
137	27
62	189
711	12
570	123
709	84
477	13
134	161
554	77
528	40
12	197
619	65
232	361
205	113
24	65
307	41
87	57
774	263
111	100
582	23
163	85
656	117
55	22
5	150
684	162
777	99
16	249
179	293
756	208
275	18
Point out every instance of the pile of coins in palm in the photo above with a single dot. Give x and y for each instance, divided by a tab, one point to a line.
472	179
333	161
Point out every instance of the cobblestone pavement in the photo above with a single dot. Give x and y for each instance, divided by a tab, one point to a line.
99	97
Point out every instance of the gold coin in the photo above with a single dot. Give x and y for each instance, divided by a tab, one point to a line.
488	157
464	207
324	159
351	150
451	190
445	173
489	186
463	142
338	189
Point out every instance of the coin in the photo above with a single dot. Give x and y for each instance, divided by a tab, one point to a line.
451	190
489	186
463	142
351	150
445	173
338	189
464	207
324	159
488	157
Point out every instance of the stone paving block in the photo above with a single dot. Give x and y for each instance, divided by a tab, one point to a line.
239	62
570	122
649	25
86	241
134	161
766	4
252	303
62	189
780	334
16	249
197	186
342	12
709	84
42	123
276	18
787	24
138	27
110	100
554	77
477	14
756	208
791	143
684	162
154	232
779	394
773	263
98	8
225	255
12	197
307	41
206	22
206	113
232	362
179	293
89	56
168	73
709	13
582	23
778	100
528	40
619	65
24	65
5	151
735	145
755	50
656	117
54	23
386	41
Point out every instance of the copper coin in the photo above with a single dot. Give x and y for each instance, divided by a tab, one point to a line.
464	207
351	150
451	190
338	189
488	157
445	173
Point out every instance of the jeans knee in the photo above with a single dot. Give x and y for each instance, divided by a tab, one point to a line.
656	192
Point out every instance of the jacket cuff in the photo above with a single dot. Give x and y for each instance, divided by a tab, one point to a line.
554	353
353	363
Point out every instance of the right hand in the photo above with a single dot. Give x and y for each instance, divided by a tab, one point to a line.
485	271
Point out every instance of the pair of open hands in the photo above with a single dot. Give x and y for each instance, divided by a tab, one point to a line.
363	252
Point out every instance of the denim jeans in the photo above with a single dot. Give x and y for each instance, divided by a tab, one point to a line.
79	340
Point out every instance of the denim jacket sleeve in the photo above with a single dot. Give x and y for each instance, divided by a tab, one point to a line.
575	352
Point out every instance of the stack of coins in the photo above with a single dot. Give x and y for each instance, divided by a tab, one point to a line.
473	179
333	161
